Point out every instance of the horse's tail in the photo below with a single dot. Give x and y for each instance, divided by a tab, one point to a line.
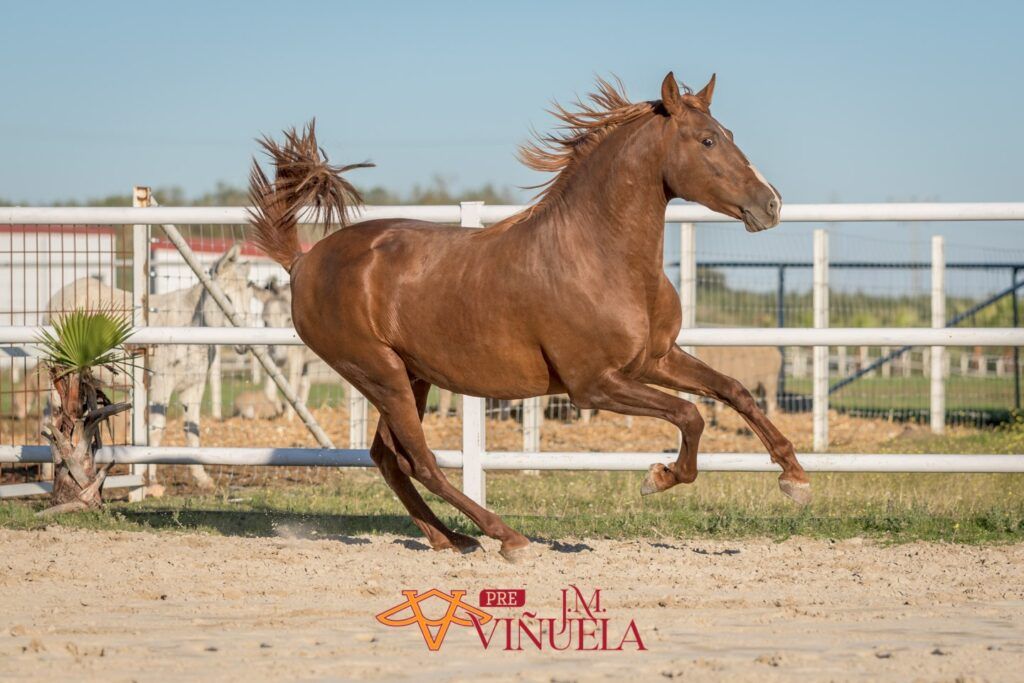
302	177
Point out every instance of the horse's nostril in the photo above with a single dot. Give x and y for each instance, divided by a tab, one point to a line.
773	205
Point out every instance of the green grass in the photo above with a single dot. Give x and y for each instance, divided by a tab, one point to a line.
979	508
913	393
893	508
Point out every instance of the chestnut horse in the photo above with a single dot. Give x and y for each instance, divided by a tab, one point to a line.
568	296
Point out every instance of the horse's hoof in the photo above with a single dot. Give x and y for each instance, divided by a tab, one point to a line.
465	544
659	477
799	491
518	555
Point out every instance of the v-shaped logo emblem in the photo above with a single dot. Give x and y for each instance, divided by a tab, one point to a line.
433	630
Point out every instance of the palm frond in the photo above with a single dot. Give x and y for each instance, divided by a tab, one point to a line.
84	340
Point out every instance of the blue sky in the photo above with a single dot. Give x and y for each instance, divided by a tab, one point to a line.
851	101
857	101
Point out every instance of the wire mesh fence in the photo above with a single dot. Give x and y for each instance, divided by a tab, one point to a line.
218	396
870	288
47	270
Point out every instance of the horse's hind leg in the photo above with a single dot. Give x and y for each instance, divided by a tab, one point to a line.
384	453
680	371
383	379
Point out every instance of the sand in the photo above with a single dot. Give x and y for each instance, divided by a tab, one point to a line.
116	606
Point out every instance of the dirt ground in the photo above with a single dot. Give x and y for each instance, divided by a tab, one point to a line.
167	607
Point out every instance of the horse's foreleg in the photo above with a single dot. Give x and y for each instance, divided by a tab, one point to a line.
159	398
192	398
680	371
305	384
622	394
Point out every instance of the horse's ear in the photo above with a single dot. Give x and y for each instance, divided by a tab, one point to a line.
708	91
264	294
670	97
227	258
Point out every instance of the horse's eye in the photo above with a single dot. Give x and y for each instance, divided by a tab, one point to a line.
708	142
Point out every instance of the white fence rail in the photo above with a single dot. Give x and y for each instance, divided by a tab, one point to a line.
474	460
718	336
675	213
548	460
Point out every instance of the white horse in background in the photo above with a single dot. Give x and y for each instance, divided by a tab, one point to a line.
180	368
295	361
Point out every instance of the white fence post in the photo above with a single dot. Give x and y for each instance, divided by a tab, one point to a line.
473	408
358	414
474	438
688	282
820	352
216	385
938	378
533	420
140	318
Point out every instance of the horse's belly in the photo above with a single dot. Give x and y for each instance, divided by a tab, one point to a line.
505	369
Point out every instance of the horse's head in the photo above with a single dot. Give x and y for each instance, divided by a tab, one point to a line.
703	164
277	312
232	274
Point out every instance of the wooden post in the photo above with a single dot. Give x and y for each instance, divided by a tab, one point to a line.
938	364
820	297
141	197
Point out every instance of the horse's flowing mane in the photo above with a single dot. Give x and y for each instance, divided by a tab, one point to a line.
582	128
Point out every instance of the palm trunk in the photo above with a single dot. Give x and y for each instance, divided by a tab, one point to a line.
74	436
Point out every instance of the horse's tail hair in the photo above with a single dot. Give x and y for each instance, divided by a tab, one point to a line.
302	177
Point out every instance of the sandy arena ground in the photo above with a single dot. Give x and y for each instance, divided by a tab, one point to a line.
167	607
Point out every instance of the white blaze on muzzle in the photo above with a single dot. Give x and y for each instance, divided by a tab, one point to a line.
757	174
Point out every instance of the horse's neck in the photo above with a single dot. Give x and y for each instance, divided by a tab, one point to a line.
180	308
613	206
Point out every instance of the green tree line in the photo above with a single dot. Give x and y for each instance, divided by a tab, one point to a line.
437	191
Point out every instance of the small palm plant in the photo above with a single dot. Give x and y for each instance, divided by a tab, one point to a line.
81	343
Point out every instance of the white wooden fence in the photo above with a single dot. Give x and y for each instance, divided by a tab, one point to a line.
473	459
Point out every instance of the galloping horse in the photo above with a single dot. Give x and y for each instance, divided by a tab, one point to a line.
568	296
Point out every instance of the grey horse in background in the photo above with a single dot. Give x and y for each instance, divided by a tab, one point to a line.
295	361
175	368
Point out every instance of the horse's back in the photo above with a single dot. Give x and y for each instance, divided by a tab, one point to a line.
88	294
422	289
